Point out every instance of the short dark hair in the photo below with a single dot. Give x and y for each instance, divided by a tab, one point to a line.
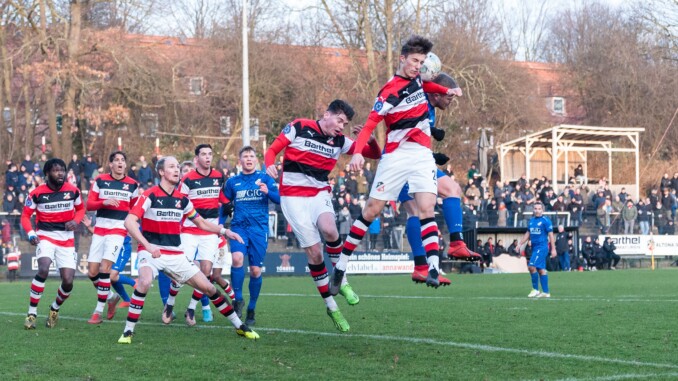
339	106
111	157
201	146
246	149
444	79
416	45
52	163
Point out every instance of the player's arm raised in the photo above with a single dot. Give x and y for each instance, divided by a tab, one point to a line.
371	150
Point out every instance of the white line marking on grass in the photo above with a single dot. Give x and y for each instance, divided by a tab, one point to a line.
622	377
462	297
415	340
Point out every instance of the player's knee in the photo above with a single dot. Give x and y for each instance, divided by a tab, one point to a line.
67	285
255	271
210	290
92	271
115	276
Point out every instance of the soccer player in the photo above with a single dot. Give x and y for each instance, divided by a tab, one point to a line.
112	195
161	210
203	186
250	192
448	189
224	259
407	157
540	233
312	148
59	209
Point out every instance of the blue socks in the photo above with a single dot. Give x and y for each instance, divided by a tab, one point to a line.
255	289
119	287
237	280
535	280
164	283
205	301
413	231
544	279
453	214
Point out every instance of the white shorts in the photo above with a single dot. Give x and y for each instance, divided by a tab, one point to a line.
224	259
105	247
177	267
63	257
200	247
302	214
412	164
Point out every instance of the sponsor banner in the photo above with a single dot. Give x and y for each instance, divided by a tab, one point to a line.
664	245
275	263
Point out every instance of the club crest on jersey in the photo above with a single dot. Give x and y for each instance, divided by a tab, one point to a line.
330	141
67	196
381	187
29	202
125	187
178	204
216	182
287	129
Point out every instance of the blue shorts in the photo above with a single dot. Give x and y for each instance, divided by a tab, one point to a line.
404	193
538	258
124	256
255	246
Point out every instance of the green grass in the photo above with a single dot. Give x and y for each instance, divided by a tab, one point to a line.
604	325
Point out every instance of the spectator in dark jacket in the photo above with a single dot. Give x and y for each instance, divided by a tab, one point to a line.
588	253
76	166
89	167
563	248
9	203
492	212
488	252
145	174
355	209
513	249
12	176
28	164
665	182
499	249
611	258
644	216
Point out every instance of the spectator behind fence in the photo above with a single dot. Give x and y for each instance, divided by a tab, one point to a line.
513	249
499	249
629	215
563	248
492	212
488	252
660	218
588	253
644	216
502	215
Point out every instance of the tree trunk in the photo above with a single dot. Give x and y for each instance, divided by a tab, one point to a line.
388	15
7	88
4	135
373	82
70	103
50	99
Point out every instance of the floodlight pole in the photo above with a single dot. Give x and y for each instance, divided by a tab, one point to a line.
245	80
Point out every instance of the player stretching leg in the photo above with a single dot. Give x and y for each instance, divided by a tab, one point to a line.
402	105
119	281
203	186
111	196
312	148
448	189
540	232
250	192
224	259
59	209
161	210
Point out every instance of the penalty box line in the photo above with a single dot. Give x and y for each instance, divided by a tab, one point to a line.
414	340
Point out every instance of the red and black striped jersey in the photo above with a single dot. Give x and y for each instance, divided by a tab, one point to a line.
309	157
161	214
53	209
205	192
403	107
111	219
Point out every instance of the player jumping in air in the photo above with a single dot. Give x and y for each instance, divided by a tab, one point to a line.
402	105
312	148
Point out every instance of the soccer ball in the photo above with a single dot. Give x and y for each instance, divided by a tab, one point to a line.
431	68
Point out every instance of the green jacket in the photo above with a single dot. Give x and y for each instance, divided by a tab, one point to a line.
629	214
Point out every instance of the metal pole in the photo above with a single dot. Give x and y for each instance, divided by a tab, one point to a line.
245	80
554	159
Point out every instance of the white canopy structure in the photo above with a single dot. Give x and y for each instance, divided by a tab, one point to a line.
567	144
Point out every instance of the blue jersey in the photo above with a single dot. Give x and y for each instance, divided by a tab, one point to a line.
431	113
250	204
540	227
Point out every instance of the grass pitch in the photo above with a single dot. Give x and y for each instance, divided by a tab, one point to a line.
607	325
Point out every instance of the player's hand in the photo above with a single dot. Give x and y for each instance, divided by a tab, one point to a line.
227	209
86	221
437	133
272	171
71	225
357	162
34	240
355	130
231	235
440	158
154	250
554	253
456	92
112	202
262	186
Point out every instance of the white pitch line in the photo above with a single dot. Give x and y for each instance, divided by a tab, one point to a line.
553	298
615	377
415	340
